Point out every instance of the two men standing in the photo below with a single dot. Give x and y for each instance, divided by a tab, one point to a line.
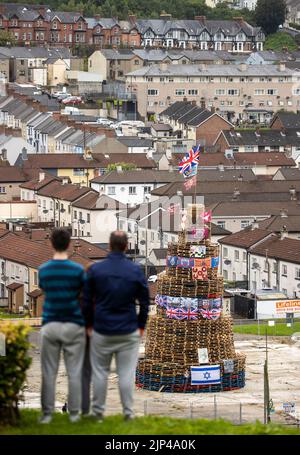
111	289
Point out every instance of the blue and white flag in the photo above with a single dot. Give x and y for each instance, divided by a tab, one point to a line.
205	375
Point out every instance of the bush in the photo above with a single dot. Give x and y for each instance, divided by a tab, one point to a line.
13	367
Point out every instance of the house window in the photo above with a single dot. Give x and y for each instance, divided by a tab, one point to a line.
259	91
221	224
284	270
136	62
88	218
132	190
225	274
147	189
236	255
2	189
193	92
244	256
35	278
111	190
233	92
220	91
272	91
297	273
244	224
153	92
75	214
225	252
180	92
78	172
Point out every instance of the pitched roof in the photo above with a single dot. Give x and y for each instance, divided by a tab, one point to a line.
289	173
240	159
37	184
277	222
288	119
245	238
136	176
285	249
58	160
94	201
11	174
263	137
67	192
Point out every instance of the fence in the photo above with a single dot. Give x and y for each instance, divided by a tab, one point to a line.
212	408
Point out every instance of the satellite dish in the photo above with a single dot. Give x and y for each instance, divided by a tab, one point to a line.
227	262
143	242
255	265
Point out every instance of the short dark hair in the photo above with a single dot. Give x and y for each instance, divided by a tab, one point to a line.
118	241
60	239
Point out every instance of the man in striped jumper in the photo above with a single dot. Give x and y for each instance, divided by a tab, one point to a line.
63	327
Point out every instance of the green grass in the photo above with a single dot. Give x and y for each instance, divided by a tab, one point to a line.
115	425
4	315
280	329
279	40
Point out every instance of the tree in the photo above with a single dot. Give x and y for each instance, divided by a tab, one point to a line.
6	38
124	166
281	40
269	14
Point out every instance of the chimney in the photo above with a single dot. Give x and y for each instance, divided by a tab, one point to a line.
221	167
281	66
4	154
240	178
285	50
283	213
41	176
239	20
257	132
200	19
24	154
293	193
193	103
97	17
203	104
243	67
283	233
119	169
213	109
254	225
65	180
132	19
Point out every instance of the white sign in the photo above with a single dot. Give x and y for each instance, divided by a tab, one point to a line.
2	345
206	375
274	309
271	323
203	355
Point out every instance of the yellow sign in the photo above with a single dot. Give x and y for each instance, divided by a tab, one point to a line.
287	306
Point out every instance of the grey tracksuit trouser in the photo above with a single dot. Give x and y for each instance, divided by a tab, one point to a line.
69	338
126	349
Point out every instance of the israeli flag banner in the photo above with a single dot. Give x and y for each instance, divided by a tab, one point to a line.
205	375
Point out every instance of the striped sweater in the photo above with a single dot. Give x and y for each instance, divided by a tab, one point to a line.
62	282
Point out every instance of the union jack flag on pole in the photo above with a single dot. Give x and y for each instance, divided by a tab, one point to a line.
189	164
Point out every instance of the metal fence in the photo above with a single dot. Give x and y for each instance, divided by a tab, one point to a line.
212	408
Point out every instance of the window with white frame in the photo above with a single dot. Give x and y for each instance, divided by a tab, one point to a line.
272	91
220	92
233	92
244	224
284	270
193	92
153	92
259	91
221	224
297	273
111	190
132	190
244	256
236	255
225	274
225	252
180	92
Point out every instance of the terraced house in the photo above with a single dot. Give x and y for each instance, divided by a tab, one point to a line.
229	35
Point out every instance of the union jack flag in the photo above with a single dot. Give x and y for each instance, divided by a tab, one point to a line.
190	162
190	313
213	314
173	313
161	300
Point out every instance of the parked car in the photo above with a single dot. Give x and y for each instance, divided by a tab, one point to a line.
72	100
104	121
